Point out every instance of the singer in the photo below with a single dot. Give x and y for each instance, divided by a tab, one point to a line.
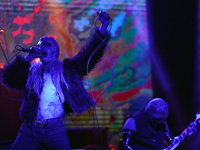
52	89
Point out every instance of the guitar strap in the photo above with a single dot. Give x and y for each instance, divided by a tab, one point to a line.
170	138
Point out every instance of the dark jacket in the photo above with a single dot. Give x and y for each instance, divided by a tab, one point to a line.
77	99
147	138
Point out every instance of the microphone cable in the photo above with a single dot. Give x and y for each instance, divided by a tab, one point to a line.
94	108
18	49
10	98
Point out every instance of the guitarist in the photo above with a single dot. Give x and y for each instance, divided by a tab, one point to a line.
147	128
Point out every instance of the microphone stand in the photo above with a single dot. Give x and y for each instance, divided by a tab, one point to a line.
3	51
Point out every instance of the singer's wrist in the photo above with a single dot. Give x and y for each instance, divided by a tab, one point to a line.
102	30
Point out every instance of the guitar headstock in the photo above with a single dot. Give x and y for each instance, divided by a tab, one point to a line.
198	117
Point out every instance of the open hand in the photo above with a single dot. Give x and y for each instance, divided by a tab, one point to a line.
193	128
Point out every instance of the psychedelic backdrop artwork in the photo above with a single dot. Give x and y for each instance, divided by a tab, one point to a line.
71	23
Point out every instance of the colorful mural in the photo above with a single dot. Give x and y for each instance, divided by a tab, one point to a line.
71	23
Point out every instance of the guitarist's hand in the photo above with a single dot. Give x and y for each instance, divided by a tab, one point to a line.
193	128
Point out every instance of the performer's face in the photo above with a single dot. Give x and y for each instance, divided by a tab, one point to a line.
156	119
50	46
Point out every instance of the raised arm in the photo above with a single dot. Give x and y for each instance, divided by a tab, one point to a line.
95	43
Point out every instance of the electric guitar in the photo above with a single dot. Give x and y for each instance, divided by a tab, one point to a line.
183	135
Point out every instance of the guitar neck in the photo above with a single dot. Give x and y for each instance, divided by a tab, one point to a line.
181	137
178	140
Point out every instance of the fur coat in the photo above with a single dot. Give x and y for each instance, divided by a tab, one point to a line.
77	100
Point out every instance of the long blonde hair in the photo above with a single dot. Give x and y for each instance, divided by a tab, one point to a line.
35	77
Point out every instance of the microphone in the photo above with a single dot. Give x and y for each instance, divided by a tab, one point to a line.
103	14
33	50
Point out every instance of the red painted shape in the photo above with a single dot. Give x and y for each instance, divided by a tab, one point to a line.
120	96
20	7
18	31
96	94
30	33
23	20
39	8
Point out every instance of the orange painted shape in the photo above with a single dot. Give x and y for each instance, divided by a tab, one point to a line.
54	36
52	19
